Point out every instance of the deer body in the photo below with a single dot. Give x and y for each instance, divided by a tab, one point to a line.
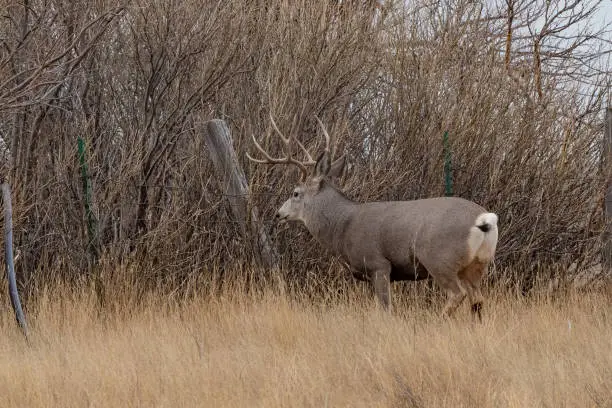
403	236
450	239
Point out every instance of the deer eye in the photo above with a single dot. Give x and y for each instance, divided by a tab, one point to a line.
296	194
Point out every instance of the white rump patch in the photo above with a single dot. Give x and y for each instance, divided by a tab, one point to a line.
481	245
487	218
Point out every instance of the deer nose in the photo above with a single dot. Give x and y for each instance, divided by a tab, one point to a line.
279	218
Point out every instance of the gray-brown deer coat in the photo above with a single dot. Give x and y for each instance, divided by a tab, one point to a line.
450	239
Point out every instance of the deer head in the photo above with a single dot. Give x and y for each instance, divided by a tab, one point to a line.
312	182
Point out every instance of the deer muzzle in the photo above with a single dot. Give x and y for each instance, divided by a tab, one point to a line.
282	215
279	218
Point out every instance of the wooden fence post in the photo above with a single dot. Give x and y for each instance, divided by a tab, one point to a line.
5	167
8	253
607	161
234	185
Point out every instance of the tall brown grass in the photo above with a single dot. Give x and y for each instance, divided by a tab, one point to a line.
263	348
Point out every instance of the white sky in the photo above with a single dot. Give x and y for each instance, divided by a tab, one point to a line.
605	12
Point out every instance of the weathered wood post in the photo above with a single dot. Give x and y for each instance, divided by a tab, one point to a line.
8	254
234	185
607	162
5	166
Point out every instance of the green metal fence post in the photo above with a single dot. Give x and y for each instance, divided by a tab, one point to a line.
448	170
91	220
9	260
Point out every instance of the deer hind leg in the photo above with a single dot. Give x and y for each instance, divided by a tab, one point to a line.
456	293
447	279
471	277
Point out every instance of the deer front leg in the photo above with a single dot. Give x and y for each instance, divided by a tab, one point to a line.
382	286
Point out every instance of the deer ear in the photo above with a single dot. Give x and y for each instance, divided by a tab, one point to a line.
337	167
323	165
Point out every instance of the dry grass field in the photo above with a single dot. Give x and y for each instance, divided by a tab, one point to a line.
104	114
268	350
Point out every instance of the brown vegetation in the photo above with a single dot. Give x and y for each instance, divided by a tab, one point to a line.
136	79
164	305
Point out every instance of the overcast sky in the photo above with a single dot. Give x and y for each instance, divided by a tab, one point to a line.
605	12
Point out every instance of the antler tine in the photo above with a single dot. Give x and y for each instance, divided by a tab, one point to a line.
327	137
289	158
285	140
267	158
309	160
284	160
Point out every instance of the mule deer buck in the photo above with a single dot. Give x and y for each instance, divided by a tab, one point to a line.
450	239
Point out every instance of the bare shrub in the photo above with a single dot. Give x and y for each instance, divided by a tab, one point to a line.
134	81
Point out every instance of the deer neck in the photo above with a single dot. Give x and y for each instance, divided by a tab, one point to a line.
328	217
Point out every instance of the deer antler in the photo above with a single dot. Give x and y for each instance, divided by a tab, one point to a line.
288	159
286	146
327	137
